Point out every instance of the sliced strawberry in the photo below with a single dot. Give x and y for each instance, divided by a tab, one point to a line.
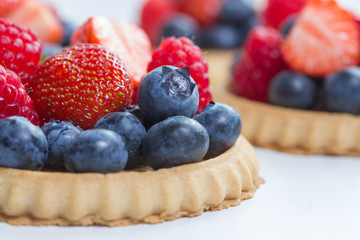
324	39
126	39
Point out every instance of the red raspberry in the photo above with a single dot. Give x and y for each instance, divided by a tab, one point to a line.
260	61
20	50
81	84
13	97
181	52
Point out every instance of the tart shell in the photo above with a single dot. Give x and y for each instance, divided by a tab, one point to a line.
285	129
129	197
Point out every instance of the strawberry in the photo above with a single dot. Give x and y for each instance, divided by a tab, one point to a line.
13	97
20	50
204	11
260	61
8	6
154	14
325	39
81	84
39	17
126	39
277	11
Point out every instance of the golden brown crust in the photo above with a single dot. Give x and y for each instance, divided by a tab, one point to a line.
284	129
129	197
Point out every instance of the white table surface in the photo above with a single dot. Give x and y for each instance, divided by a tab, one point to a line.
304	197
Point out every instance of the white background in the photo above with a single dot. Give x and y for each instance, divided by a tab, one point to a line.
305	197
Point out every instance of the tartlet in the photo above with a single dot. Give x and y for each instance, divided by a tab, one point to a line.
129	197
285	129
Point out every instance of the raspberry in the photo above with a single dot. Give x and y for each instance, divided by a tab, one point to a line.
20	50
13	97
181	52
260	61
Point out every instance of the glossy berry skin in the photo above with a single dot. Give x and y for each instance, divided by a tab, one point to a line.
182	25
130	128
181	52
82	83
293	90
168	91
223	36
175	141
14	99
341	92
20	50
223	124
135	110
96	150
22	144
237	12
59	135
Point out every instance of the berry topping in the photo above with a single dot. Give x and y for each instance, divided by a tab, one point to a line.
325	39
223	124
292	89
223	36
129	127
287	25
96	150
20	50
279	10
59	135
125	39
237	12
204	11
8	6
259	62
181	52
81	84
168	91
22	144
341	92
175	141
13	98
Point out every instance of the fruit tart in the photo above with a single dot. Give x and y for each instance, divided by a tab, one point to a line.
74	151
297	87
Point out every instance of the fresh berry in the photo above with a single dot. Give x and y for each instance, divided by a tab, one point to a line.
259	62
135	110
20	50
237	12
181	52
278	10
81	84
223	36
69	29
292	89
325	39
126	39
175	141
13	98
129	127
8	6
287	25
96	150
182	25
59	135
223	124
22	144
206	12
154	15
168	91
341	92
39	17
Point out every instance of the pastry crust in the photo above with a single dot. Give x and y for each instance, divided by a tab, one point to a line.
285	129
129	197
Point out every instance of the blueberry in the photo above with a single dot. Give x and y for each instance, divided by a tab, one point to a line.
175	141
168	91
69	29
341	92
223	124
237	12
293	90
59	135
129	127
96	150
182	25
135	110
223	36
287	25
22	144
